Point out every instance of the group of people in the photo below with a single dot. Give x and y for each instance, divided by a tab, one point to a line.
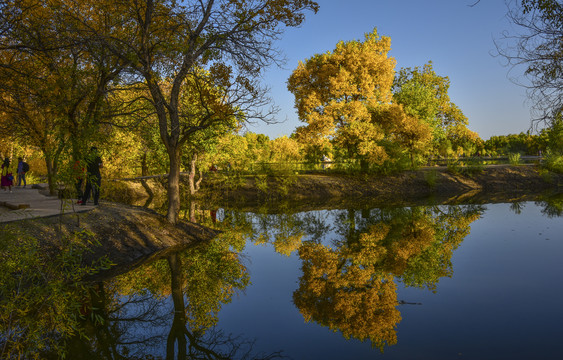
91	176
7	178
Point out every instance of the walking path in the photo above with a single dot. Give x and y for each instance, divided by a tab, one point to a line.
29	202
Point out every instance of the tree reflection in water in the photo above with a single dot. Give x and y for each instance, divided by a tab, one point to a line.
136	311
352	259
168	307
350	286
351	264
552	205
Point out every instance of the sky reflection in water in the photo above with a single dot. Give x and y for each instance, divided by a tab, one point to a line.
502	302
442	282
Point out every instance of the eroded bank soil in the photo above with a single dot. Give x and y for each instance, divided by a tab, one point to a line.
492	184
127	235
323	190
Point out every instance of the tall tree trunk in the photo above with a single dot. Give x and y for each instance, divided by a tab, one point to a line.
191	177
51	173
174	185
144	166
192	211
198	182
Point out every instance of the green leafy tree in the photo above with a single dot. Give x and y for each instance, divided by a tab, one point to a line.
424	95
555	145
523	143
164	44
204	97
555	136
231	152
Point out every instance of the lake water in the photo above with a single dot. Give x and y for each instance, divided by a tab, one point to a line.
437	282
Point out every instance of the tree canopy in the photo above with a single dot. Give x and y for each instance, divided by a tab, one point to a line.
335	91
352	98
162	45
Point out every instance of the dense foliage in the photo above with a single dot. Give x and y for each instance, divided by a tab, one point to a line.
354	103
163	88
189	67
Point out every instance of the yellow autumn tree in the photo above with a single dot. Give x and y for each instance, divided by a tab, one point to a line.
164	42
335	91
347	296
160	45
407	133
284	149
56	86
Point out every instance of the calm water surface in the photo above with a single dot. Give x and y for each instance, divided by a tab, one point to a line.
501	300
440	282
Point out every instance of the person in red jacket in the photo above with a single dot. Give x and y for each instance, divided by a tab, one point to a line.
7	179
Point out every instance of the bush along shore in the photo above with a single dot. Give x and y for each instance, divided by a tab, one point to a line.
438	185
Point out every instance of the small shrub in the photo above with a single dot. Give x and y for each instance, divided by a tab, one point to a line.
119	191
554	162
347	167
546	176
473	167
514	158
285	183
454	167
233	180
31	178
470	169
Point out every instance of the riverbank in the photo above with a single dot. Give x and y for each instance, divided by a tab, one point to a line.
499	183
439	185
127	235
130	234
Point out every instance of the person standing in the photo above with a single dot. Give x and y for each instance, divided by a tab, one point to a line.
6	179
93	176
22	169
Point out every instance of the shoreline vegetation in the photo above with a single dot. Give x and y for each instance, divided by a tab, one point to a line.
437	185
131	234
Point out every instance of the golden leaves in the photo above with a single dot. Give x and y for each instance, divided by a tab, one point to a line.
350	286
335	90
346	298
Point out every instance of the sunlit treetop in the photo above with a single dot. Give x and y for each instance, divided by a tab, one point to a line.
335	89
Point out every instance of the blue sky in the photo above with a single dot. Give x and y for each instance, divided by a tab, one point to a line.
457	38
